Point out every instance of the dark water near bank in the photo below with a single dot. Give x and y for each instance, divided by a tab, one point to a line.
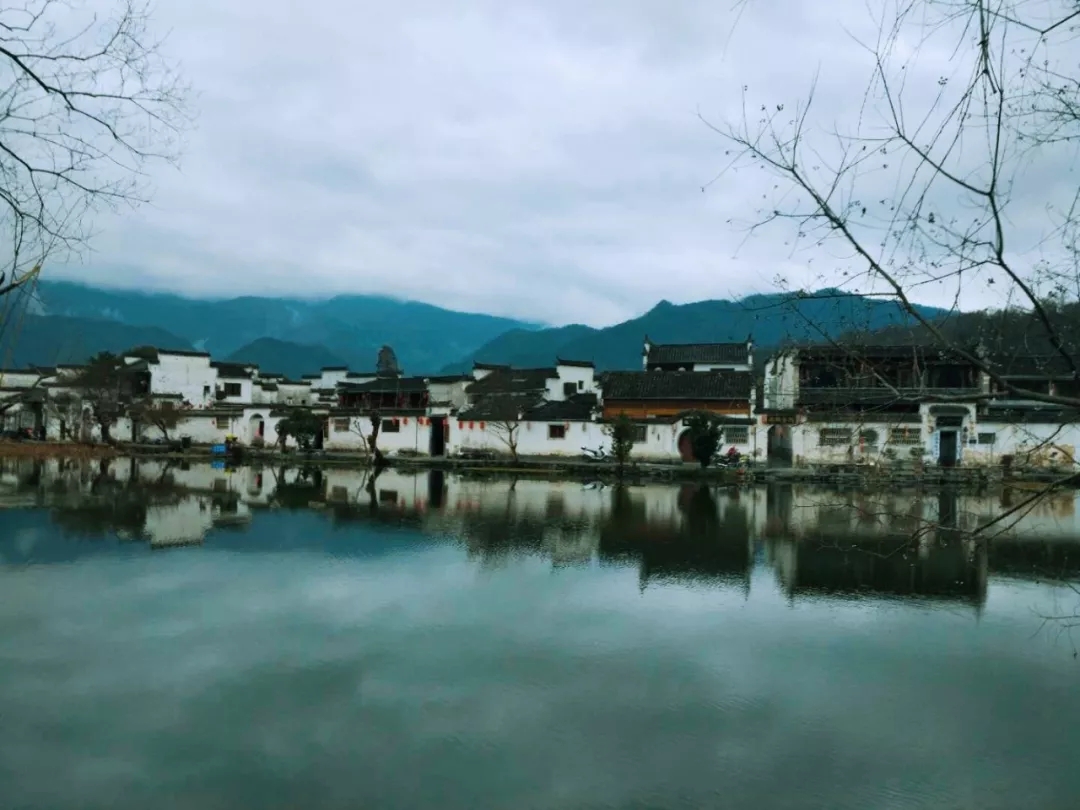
206	638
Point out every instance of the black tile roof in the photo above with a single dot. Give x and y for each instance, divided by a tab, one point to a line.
722	353
578	408
868	352
1033	366
232	371
562	361
391	385
530	408
497	407
725	385
513	380
183	353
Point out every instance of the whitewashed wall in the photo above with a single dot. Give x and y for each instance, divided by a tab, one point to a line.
451	393
192	377
18	379
246	394
583	378
411	436
807	448
532	438
781	382
294	393
1037	444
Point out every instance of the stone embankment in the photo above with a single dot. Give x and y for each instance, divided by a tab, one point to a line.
852	476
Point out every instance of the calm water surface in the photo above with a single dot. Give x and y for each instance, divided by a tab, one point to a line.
206	638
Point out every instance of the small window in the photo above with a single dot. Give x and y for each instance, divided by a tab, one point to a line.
339	494
737	435
987	438
834	437
231	389
868	437
221	485
341	425
580	385
641	434
206	390
391	426
222	422
569	389
556	431
387	496
905	436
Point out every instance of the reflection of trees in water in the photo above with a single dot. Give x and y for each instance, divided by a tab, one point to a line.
299	492
945	567
818	541
707	543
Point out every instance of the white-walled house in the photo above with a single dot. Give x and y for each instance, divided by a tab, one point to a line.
235	384
889	404
697	356
529	412
187	374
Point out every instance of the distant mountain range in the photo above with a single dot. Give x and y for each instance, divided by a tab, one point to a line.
49	340
67	323
349	328
281	356
772	320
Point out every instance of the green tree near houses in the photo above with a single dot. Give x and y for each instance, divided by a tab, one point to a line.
621	431
105	389
303	426
705	434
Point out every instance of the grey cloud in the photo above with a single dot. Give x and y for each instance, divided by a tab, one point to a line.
542	160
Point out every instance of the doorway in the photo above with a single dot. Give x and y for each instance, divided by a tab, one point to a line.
256	429
686	446
438	431
947	449
779	444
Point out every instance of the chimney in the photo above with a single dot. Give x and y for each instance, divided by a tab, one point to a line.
645	349
750	350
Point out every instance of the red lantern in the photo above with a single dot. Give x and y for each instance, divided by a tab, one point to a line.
482	426
405	421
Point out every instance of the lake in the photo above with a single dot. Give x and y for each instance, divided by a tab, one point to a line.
191	636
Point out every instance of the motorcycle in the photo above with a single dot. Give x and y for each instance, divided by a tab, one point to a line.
599	454
730	461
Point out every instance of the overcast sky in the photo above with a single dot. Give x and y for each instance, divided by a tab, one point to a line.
541	158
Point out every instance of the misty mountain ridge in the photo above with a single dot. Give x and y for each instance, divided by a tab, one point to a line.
350	327
771	320
283	357
294	337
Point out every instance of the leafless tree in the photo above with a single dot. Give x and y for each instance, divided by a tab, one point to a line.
164	416
951	183
921	196
88	103
368	429
507	431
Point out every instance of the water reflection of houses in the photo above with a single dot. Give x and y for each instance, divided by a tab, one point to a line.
816	540
705	540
